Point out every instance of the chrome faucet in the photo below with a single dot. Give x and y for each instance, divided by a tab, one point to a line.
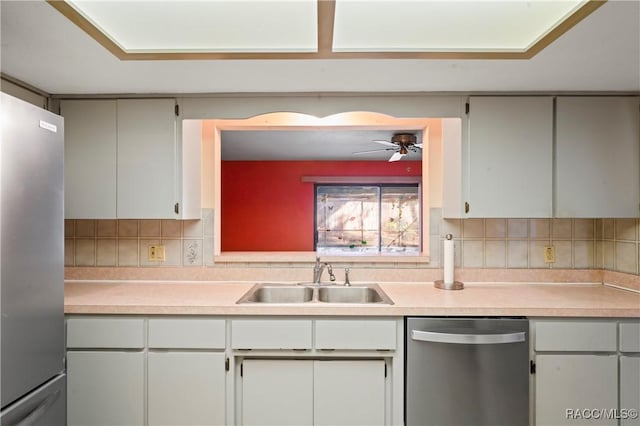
347	283
319	268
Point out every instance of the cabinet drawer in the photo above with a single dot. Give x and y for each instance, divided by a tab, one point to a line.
589	336
187	333
271	334
105	333
629	337
356	334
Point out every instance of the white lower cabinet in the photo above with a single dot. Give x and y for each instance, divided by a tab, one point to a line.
105	388
146	371
185	388
349	392
277	392
629	373
567	385
313	392
629	390
105	371
318	371
587	371
186	377
208	371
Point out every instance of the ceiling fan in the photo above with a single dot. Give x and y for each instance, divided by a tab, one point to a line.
401	144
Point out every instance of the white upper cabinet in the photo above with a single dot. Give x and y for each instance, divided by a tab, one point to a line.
90	144
130	159
597	157
146	158
510	155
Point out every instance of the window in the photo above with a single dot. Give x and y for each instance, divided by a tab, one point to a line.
371	219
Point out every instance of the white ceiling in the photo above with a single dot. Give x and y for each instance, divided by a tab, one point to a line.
316	145
42	48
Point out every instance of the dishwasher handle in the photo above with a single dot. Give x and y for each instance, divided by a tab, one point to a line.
467	339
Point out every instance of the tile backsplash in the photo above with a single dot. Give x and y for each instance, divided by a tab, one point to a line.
120	243
621	245
611	244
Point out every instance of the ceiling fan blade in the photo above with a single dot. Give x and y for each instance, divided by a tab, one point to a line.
419	145
371	151
396	156
387	143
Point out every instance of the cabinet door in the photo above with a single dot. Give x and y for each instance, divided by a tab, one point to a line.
277	392
629	390
90	136
146	158
186	388
567	384
510	156
597	152
349	392
105	388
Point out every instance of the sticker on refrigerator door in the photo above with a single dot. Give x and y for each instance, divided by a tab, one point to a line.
48	126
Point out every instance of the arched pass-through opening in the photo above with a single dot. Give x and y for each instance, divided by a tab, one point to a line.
359	123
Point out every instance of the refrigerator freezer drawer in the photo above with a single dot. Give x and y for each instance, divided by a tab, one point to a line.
45	406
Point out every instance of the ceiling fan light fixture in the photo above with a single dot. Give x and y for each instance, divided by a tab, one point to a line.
404	139
401	143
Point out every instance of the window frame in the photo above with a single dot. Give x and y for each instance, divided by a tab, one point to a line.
379	185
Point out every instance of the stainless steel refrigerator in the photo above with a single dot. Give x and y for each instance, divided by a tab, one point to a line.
32	269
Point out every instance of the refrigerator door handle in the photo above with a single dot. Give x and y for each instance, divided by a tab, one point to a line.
33	416
467	339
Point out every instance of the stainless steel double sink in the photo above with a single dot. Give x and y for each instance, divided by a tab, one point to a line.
313	293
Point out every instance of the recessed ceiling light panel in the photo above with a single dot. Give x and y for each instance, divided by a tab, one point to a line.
446	26
325	29
205	26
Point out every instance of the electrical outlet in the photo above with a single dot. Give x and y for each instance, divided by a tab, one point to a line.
549	254
156	253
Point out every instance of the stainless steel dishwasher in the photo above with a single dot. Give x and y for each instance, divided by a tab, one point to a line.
467	371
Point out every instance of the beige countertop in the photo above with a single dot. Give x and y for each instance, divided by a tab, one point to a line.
477	299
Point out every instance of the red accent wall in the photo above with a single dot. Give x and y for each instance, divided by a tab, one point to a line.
266	206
